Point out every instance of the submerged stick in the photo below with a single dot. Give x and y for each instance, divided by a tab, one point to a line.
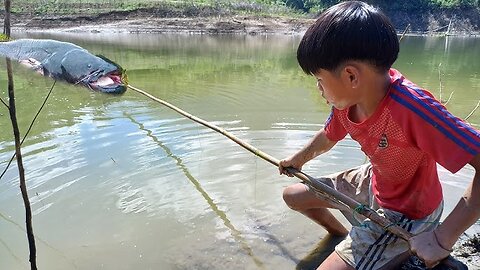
340	200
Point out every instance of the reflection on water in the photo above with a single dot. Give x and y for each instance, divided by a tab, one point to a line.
119	182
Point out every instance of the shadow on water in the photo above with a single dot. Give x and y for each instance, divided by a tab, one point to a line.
323	249
59	252
236	234
12	253
272	239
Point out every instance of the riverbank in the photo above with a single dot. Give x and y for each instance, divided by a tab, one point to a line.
120	22
210	20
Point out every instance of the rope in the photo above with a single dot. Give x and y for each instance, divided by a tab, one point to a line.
361	207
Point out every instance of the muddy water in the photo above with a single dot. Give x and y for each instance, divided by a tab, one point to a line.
124	183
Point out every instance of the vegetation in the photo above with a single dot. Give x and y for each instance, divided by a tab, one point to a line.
234	6
309	5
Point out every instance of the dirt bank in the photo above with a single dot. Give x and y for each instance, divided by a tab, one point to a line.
161	21
214	21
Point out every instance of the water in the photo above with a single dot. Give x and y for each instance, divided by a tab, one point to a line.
124	183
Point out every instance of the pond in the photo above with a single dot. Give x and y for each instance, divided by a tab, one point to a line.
121	182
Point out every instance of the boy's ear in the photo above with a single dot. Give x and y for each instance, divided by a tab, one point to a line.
351	75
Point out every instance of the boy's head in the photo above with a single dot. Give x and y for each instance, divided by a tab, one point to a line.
350	30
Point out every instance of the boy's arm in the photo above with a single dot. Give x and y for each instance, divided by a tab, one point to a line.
436	245
319	144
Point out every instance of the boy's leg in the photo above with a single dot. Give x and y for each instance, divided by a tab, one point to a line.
300	199
334	262
354	183
372	247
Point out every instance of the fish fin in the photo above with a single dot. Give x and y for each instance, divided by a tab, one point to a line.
4	38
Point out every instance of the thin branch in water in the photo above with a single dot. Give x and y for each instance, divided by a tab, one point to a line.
449	28
29	128
38	112
439	28
404	32
440	80
473	111
4	103
449	98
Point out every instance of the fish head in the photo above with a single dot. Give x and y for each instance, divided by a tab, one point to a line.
95	72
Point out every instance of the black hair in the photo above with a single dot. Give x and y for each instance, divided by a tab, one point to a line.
350	30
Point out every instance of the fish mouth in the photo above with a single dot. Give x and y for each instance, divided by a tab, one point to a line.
114	82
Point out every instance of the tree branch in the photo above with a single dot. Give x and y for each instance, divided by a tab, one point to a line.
4	103
28	130
16	133
473	111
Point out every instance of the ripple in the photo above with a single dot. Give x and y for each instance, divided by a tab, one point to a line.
131	200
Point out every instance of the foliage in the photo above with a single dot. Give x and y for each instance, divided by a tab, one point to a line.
317	5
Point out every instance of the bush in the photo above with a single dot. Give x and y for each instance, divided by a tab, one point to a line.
405	5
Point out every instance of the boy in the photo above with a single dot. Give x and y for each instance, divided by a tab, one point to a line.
401	128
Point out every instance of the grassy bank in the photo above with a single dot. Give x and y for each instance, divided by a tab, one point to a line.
92	7
291	7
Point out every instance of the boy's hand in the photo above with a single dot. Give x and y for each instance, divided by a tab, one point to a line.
427	247
289	162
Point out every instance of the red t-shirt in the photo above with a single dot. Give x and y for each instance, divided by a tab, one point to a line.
408	133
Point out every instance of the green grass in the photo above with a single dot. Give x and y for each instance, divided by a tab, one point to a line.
101	6
260	7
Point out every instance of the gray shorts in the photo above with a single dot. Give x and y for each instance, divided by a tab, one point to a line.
369	246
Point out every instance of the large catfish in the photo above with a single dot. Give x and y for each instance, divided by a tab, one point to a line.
67	62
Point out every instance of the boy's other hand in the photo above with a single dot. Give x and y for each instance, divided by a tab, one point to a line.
290	162
428	249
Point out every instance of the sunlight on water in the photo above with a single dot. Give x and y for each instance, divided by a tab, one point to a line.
120	182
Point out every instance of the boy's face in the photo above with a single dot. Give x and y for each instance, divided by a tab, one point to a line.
337	88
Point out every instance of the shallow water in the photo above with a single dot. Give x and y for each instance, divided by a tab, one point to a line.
120	182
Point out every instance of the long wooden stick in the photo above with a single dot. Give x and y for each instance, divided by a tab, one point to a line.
340	200
16	133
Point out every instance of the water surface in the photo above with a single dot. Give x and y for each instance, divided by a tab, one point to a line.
120	182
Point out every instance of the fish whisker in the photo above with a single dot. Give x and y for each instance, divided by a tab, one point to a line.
95	73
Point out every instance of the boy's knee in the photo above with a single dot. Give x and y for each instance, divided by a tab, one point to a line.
291	197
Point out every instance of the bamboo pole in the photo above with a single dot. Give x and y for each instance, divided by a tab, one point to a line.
339	199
